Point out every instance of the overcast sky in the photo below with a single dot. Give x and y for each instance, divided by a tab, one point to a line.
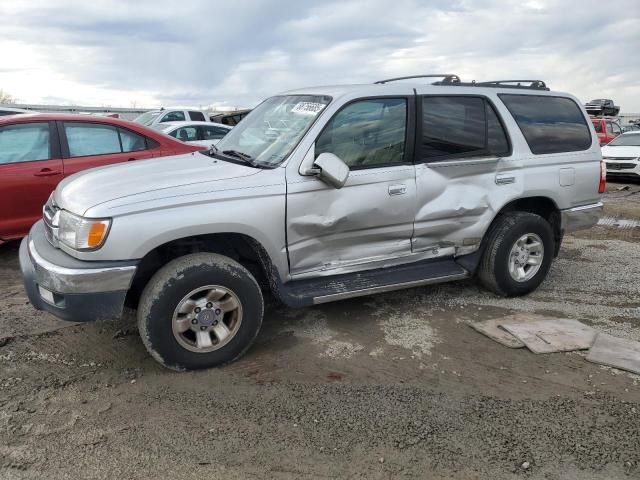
237	52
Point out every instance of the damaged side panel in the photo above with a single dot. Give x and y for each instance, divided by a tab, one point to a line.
457	202
328	228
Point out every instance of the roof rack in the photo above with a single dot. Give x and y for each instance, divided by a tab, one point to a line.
533	84
446	78
454	80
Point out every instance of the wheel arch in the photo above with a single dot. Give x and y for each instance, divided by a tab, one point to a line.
241	247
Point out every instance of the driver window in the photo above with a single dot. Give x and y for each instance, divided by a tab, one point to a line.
367	133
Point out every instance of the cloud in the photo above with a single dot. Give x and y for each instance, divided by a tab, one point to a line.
236	53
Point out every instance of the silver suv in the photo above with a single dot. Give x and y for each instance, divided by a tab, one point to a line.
318	195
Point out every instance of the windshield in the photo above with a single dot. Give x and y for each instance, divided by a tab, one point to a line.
146	118
272	129
626	140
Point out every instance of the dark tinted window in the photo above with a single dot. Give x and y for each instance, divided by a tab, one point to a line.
458	126
549	124
497	142
197	116
131	142
367	133
24	142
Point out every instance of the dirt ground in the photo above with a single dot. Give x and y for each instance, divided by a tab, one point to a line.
394	385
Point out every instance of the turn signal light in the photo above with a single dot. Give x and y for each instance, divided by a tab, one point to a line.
96	234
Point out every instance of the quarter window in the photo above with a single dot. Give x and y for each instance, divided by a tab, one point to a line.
197	116
367	133
131	142
549	124
91	139
24	142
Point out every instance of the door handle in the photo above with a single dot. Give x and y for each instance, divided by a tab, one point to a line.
47	172
505	179
397	189
131	159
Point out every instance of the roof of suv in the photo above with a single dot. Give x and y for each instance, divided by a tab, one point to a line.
374	89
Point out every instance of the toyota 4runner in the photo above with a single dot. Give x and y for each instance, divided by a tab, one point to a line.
319	195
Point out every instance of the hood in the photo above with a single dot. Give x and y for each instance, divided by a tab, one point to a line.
163	176
621	151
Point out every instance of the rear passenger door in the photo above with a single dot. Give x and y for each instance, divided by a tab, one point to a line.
91	144
30	169
460	147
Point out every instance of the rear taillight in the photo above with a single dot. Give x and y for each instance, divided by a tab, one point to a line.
603	177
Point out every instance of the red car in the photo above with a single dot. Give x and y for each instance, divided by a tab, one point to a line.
606	128
37	151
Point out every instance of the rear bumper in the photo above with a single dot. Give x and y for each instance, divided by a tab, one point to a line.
581	218
69	288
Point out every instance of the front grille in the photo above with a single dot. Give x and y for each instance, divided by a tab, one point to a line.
620	166
50	214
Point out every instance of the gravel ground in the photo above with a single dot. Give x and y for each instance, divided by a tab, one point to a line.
395	385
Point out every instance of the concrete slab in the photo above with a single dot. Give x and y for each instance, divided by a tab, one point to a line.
552	335
493	330
616	352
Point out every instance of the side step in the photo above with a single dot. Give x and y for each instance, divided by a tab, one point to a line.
313	291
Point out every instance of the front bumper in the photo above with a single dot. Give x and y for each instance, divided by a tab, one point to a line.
581	218
69	288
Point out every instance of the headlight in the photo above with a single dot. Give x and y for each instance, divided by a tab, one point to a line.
82	233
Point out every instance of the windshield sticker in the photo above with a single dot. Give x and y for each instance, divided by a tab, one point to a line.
308	108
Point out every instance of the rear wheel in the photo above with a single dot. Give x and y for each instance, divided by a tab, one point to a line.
200	311
518	254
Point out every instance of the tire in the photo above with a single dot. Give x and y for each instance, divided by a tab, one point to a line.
239	309
509	228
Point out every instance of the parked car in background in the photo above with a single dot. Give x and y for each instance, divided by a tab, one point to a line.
154	117
203	134
37	151
606	128
631	127
603	107
231	118
622	156
4	111
319	195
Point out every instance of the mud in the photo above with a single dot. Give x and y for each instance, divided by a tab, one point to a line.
389	386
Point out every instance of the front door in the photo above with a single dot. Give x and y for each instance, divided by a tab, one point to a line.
30	169
370	219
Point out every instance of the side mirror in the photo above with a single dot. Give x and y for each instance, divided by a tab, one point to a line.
332	170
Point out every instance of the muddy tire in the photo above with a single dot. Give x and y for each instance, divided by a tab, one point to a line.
518	254
201	310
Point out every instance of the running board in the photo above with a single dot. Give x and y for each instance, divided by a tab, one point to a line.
339	287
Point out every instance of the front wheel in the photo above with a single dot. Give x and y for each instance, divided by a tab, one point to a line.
198	311
518	254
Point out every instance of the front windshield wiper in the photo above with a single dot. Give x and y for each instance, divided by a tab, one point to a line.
245	157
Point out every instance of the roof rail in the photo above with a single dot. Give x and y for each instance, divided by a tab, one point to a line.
533	84
447	78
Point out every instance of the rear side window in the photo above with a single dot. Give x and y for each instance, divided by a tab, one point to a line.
173	117
549	124
460	127
186	134
597	126
212	132
24	142
91	139
199	116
